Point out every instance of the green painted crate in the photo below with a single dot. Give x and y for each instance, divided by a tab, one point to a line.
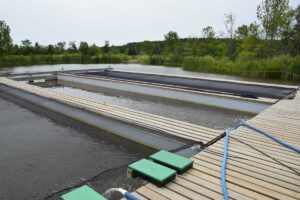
83	193
152	172
179	163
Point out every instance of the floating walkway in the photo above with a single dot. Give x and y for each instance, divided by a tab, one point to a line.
233	87
30	76
124	116
222	99
257	167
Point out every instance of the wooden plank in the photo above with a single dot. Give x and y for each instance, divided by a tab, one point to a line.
212	186
230	185
250	174
166	192
247	182
175	128
150	194
264	181
198	189
253	167
109	110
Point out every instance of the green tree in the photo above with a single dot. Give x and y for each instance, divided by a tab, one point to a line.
296	31
84	48
229	24
133	49
172	42
60	46
191	46
26	46
106	47
146	47
272	15
286	31
208	32
250	47
241	32
72	47
244	31
37	48
94	50
5	39
50	49
157	49
27	43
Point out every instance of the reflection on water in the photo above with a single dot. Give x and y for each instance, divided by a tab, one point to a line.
126	67
39	155
139	68
198	114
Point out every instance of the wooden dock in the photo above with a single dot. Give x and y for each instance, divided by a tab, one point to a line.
257	167
150	121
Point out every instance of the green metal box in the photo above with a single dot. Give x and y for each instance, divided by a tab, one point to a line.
83	193
152	172
173	161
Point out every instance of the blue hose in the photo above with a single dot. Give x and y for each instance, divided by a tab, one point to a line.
297	150
130	196
224	162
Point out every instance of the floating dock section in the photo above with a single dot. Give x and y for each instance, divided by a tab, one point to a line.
257	167
225	99
151	130
31	76
239	88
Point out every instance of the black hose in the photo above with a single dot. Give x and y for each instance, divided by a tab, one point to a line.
93	178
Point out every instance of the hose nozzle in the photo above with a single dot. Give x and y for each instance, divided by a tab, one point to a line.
127	194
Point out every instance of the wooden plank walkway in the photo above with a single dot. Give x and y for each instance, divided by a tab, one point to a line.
268	101
257	167
153	122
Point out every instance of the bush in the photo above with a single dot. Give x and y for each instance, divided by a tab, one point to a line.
276	67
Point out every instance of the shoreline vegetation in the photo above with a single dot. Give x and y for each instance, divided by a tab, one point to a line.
278	67
267	48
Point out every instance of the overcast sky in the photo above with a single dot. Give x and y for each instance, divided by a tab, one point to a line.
119	21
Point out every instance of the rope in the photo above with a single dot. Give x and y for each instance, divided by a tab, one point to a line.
225	156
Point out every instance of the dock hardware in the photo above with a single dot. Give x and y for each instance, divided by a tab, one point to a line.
161	168
179	163
83	193
152	172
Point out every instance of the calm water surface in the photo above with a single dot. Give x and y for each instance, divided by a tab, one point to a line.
139	68
212	117
39	155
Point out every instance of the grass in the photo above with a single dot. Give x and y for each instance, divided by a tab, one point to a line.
17	60
278	67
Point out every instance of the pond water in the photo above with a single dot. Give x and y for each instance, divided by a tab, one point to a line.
139	68
208	116
40	155
125	67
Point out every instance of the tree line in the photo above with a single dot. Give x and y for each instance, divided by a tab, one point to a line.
276	32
